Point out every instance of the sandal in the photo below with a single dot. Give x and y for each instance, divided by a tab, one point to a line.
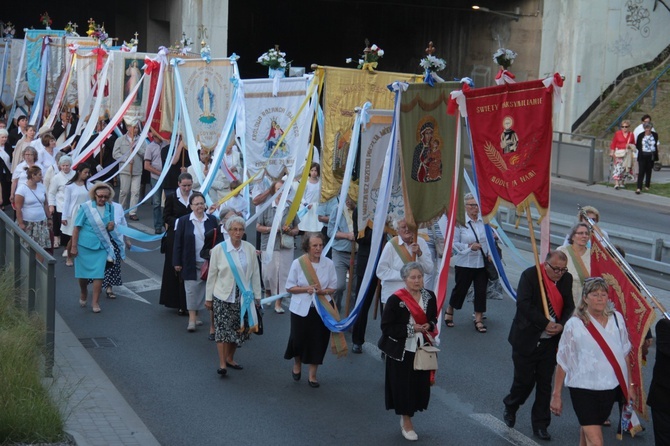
449	322
480	327
110	294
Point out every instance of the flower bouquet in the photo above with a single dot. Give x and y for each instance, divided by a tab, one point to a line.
504	57
370	58
8	30
46	20
431	64
276	62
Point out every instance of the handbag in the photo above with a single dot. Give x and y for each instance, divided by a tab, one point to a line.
287	241
491	271
425	357
259	313
204	269
619	153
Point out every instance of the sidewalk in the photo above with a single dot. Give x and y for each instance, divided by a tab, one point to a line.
99	415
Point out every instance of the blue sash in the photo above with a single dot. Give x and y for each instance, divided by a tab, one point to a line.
100	229
247	307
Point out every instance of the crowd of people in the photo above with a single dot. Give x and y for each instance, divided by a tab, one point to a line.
210	268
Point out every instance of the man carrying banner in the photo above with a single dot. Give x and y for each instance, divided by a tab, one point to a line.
534	339
344	242
131	175
397	252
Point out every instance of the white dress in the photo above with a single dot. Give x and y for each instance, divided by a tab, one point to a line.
309	217
75	195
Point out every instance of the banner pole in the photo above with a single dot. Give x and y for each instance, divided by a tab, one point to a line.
537	262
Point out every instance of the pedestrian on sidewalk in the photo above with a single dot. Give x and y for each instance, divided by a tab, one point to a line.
647	154
621	152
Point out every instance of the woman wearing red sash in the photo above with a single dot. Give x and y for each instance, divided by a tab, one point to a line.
593	361
409	315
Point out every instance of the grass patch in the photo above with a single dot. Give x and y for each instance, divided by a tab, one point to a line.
661	189
27	412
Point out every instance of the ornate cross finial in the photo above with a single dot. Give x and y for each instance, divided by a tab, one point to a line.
136	34
431	49
202	33
75	26
367	46
91	21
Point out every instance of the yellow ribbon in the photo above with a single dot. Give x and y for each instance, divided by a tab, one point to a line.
370	66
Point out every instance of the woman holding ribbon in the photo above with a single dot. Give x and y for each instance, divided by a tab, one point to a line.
408	321
593	361
233	292
579	257
91	245
311	277
189	238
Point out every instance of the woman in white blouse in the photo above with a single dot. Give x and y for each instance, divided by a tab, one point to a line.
223	296
76	192
469	244
583	366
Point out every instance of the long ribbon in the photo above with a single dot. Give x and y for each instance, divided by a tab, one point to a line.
3	68
55	107
36	117
100	229
19	76
247	307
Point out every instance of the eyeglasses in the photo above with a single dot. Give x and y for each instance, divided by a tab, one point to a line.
472	205
556	269
200	203
624	126
582	233
102	196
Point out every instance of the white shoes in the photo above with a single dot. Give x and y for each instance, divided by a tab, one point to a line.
409	435
65	253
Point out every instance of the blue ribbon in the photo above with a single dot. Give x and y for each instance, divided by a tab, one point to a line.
428	79
138	235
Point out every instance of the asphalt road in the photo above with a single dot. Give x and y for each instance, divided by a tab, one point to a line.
169	376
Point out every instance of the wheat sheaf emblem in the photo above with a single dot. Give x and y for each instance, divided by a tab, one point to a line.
495	156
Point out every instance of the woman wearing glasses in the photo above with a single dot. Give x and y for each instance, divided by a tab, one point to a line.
189	239
579	257
469	244
93	240
596	379
621	152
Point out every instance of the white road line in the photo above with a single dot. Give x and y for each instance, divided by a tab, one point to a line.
141	269
124	291
512	436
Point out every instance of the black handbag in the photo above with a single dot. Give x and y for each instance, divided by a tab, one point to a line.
491	271
259	313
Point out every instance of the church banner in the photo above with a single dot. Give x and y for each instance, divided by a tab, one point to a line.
635	309
267	118
428	150
14	49
511	134
344	90
375	138
87	76
126	73
208	92
35	39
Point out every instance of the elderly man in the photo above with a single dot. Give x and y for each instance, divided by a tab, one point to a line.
398	251
131	175
534	338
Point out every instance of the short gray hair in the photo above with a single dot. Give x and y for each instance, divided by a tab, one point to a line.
408	267
467	197
396	222
4	132
225	210
232	220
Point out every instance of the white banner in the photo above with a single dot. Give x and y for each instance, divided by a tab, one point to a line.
86	78
208	92
267	117
14	50
375	138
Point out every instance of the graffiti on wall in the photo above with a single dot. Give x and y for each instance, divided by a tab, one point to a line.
638	17
622	46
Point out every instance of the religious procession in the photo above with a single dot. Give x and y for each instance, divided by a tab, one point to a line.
326	192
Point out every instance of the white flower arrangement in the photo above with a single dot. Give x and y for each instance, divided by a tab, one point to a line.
432	63
504	57
274	59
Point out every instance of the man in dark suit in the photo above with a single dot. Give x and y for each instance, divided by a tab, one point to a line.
659	391
534	339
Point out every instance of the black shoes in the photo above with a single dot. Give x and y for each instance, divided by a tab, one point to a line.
509	416
357	348
222	371
313	384
542	433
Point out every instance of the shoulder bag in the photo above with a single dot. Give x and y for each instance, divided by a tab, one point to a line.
491	271
204	269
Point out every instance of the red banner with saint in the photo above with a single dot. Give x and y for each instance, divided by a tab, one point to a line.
511	133
635	309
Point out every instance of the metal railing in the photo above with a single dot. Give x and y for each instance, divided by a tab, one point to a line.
35	280
652	86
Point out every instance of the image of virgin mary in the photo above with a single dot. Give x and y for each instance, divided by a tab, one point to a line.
427	159
206	103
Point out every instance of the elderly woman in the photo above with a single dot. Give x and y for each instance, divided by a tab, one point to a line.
76	193
91	245
56	194
235	259
30	159
276	271
310	276
173	294
410	314
585	368
21	145
32	210
5	167
579	257
189	239
621	152
647	154
471	246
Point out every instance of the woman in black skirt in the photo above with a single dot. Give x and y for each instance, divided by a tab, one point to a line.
409	315
310	275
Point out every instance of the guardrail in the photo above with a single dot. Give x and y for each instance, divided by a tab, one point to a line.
648	251
35	280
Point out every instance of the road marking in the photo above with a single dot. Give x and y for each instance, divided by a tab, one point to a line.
124	291
452	401
143	270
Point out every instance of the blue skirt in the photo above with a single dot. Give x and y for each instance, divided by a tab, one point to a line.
90	263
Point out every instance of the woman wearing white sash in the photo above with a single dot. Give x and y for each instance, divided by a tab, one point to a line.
91	246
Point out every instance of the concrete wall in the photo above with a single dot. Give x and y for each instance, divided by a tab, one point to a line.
592	42
191	14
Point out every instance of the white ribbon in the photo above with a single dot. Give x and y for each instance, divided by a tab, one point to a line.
19	76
